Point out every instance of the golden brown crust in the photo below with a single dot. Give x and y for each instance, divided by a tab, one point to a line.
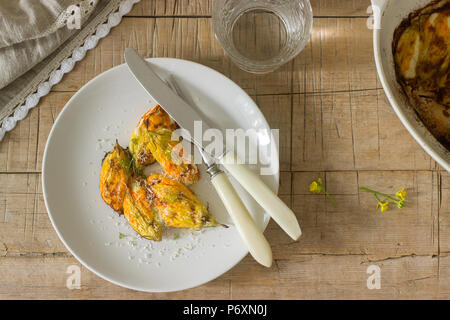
114	177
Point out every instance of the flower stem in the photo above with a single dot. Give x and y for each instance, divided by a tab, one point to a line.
331	199
387	196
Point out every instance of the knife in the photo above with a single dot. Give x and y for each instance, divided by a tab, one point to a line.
255	241
186	116
168	99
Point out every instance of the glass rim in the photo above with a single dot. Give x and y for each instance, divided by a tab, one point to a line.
247	64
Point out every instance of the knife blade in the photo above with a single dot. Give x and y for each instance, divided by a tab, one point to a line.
175	106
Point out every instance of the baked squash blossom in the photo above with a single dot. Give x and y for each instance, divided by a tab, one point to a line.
114	177
152	120
140	210
177	205
161	200
153	139
170	155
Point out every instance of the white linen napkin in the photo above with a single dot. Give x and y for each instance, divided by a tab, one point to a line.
30	30
41	40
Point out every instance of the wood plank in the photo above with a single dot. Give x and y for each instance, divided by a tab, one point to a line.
277	111
380	139
355	226
25	228
183	38
301	277
443	203
151	8
339	8
322	132
22	149
285	183
352	130
45	278
444	276
336	277
18	150
338	57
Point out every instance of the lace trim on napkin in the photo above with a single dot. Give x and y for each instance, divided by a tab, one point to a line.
84	8
63	62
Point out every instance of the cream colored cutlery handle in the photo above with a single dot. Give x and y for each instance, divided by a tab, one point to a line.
270	202
253	238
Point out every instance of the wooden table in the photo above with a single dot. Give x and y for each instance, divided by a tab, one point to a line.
335	123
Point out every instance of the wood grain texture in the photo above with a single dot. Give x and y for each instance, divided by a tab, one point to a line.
355	226
338	57
352	130
185	38
337	277
334	122
164	8
45	277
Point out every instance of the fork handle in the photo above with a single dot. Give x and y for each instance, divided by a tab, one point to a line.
252	236
268	200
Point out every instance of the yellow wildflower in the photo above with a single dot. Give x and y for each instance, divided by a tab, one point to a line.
401	194
383	205
314	187
399	198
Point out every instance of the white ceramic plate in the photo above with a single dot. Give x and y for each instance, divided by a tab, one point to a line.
108	108
389	16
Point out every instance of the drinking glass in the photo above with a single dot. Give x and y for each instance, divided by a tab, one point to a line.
261	35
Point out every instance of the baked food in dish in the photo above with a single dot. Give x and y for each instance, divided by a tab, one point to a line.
421	49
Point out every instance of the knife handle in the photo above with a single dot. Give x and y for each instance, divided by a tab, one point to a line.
268	200
253	238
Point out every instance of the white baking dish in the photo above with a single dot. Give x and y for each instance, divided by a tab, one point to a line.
388	14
